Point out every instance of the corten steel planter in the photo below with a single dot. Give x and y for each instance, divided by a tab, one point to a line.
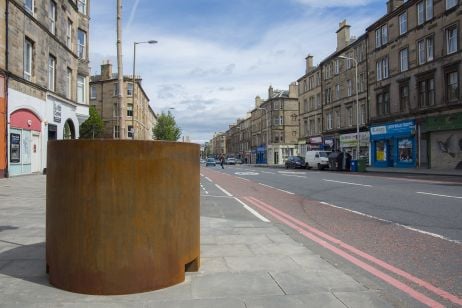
121	216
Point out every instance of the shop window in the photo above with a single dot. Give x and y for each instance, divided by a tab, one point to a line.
380	151
405	150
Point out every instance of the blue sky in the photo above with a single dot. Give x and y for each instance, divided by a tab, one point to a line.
215	56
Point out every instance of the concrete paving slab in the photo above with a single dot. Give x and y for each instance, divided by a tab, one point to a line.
239	239
306	282
198	303
233	250
286	249
262	263
15	252
23	268
362	299
312	262
220	285
325	300
213	265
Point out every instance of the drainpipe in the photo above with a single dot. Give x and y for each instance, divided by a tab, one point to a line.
6	86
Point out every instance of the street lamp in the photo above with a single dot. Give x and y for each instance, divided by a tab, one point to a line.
267	131
357	103
133	82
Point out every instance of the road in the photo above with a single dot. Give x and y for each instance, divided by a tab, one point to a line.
402	234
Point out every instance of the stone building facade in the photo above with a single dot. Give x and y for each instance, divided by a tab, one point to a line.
3	75
339	84
218	144
47	77
310	106
414	85
139	116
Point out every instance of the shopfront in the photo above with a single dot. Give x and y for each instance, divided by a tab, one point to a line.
314	143
261	155
393	145
348	144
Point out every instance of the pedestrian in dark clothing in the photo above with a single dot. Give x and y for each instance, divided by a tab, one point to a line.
222	161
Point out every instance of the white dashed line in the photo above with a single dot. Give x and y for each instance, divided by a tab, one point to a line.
243	179
348	183
437	195
287	192
208	179
223	190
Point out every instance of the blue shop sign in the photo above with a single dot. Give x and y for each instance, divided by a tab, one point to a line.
392	129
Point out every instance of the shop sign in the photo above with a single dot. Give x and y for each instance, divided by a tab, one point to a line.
407	127
315	140
349	140
57	112
446	122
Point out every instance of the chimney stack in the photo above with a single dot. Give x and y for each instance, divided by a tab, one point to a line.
293	90
343	35
258	102
270	92
106	70
393	5
309	63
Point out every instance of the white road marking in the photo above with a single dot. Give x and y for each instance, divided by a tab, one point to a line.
223	190
213	196
208	179
289	172
349	183
297	176
267	172
438	195
287	192
203	188
251	210
395	223
201	174
246	173
243	179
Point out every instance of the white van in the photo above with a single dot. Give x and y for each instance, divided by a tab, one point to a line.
318	159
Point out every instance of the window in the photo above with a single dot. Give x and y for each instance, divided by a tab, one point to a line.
381	36
336	67
312	127
92	92
426	90
29	5
69	83
115	110
362	82
424	11
129	89
349	62
51	72
337	91
116	131
52	16
382	69
383	103
82	42
305	127
318	100
312	104
452	91
81	89
349	87
425	50
28	52
305	105
403	23
329	120
115	91
130	131
82	6
328	94
129	110
337	118
349	116
404	59
450	4
363	113
69	34
404	97
451	39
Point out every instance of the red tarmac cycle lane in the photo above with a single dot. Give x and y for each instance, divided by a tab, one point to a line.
426	268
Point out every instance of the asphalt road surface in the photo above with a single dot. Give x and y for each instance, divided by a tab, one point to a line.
400	233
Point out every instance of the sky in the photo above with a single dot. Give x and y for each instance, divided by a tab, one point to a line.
213	57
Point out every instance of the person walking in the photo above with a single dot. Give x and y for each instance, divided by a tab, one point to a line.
222	161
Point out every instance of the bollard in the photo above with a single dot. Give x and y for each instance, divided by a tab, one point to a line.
122	216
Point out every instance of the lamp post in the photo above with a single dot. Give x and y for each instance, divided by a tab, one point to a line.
133	82
357	103
267	131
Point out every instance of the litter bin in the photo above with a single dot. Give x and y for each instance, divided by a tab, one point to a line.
354	166
362	165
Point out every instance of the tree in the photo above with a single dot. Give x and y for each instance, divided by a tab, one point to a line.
166	128
93	127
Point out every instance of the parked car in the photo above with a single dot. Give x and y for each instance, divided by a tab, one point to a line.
210	162
295	162
319	159
238	161
202	161
230	161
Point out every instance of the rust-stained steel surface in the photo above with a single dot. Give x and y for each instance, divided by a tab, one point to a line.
122	216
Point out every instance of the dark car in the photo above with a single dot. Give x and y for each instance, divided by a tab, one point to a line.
295	162
210	162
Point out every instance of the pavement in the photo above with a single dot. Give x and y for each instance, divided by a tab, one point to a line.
245	262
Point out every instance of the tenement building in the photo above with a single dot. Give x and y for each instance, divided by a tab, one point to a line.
415	66
238	139
46	67
104	95
344	105
310	106
3	75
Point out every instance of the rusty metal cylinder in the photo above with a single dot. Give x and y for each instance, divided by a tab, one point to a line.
122	216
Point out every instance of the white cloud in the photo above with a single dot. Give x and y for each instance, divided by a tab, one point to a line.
333	3
211	84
